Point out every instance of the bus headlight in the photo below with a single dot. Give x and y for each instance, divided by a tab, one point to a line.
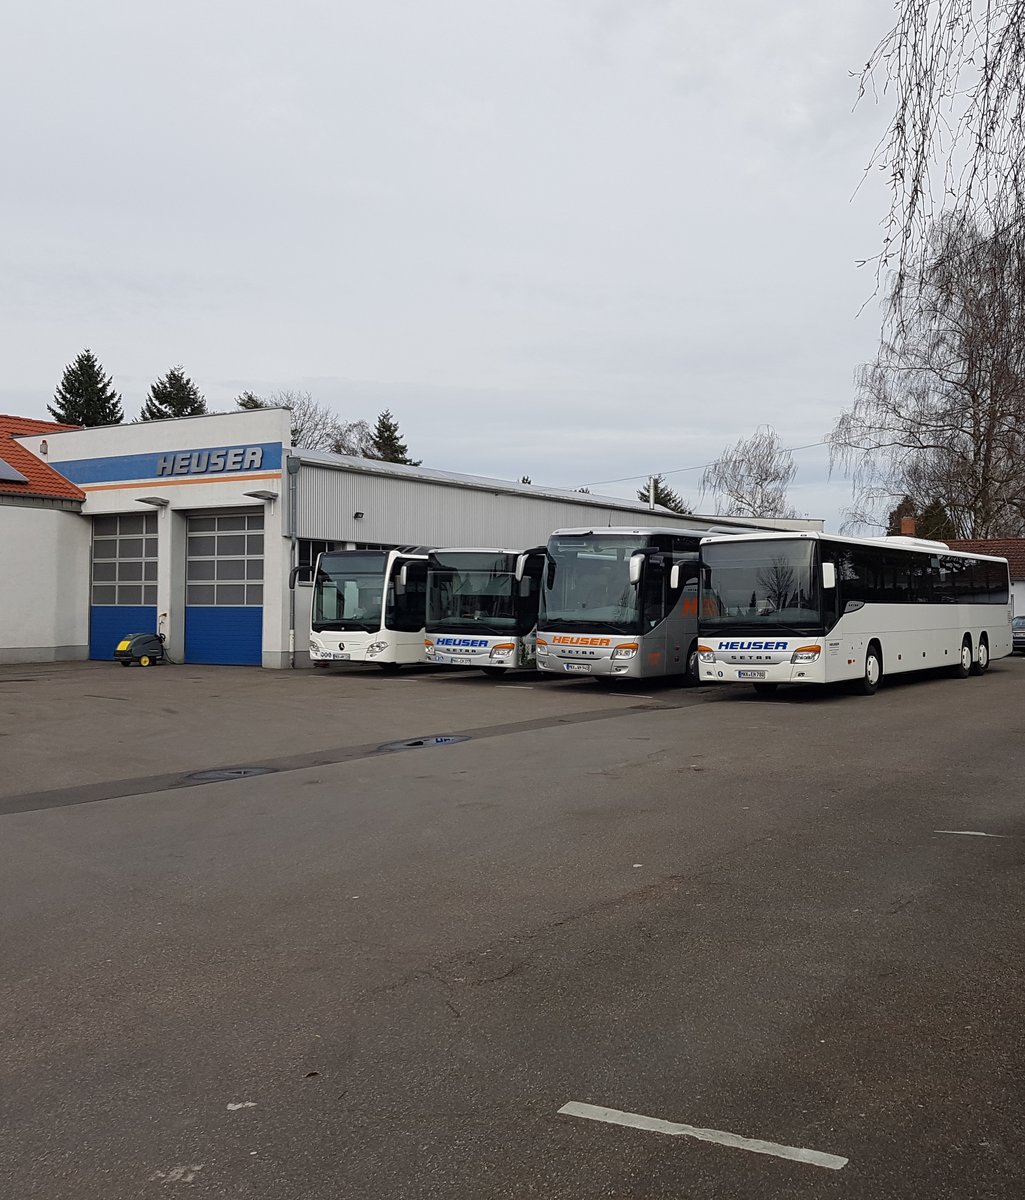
540	646
625	650
806	654
428	646
376	647
502	649
706	654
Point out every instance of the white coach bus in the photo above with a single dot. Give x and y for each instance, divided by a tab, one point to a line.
812	608
482	608
369	606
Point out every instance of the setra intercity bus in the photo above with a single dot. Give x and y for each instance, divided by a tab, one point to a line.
813	608
482	608
620	603
369	606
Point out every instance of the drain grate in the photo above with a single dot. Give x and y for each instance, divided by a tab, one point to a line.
228	773
441	739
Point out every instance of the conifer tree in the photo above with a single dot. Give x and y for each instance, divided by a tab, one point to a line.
386	443
664	495
173	396
85	396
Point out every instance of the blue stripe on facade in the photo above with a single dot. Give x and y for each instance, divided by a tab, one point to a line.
224	636
109	623
121	467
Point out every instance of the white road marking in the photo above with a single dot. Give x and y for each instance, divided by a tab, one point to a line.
520	687
241	1104
612	1116
969	833
183	1174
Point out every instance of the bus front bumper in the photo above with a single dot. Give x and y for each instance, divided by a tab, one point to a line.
722	671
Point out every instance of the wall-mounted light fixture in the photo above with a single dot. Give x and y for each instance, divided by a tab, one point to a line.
358	516
156	501
268	496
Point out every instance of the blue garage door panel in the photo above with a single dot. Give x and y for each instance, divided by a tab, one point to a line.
109	623
224	635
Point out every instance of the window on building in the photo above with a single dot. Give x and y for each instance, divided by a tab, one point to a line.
125	559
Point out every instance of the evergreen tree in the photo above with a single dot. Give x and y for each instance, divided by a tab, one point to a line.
85	395
525	479
664	495
935	523
386	444
173	396
250	400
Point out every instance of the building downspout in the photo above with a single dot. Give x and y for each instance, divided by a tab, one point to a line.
292	466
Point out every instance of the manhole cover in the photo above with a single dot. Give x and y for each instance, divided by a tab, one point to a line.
442	739
228	773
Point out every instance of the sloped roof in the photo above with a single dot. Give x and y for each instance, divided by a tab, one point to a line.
39	478
1013	549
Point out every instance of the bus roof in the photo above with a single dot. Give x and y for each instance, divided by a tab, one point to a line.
922	545
698	531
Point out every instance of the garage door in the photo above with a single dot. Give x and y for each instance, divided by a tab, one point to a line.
224	589
124	580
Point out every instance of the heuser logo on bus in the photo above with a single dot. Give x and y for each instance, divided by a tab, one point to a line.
752	646
472	642
565	640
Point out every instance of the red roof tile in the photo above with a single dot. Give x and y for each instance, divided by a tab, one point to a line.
1013	549
41	479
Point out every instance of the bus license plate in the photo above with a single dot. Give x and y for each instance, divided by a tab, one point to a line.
750	674
577	666
339	654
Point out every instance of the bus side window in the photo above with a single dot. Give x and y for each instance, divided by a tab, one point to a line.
406	613
654	599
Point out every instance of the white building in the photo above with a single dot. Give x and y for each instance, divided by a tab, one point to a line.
191	527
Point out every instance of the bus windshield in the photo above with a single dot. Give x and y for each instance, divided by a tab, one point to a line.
475	591
348	592
758	584
587	585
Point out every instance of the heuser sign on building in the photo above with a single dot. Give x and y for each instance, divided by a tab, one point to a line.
202	462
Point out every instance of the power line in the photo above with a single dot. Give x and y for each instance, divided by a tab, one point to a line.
701	467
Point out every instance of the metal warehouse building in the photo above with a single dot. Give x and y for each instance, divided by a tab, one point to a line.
191	528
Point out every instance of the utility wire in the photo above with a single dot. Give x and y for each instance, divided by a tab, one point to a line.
701	467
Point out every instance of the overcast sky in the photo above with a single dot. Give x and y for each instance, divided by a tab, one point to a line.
574	239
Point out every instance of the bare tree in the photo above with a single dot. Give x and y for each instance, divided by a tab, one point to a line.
751	478
777	581
956	72
314	426
939	416
354	438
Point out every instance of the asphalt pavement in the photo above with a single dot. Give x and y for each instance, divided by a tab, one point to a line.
751	948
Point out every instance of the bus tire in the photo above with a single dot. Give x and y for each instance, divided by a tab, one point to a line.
873	672
692	675
964	664
766	689
981	664
390	668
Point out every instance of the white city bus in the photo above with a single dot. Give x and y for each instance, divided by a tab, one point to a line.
812	608
369	606
482	608
620	603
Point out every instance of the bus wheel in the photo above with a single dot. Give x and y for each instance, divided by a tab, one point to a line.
981	664
692	676
390	668
766	689
964	664
873	671
494	672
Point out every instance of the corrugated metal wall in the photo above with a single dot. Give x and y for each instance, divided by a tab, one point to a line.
408	512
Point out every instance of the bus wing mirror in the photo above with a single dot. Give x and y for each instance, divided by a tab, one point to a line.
828	575
521	566
293	575
636	566
401	579
674	577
